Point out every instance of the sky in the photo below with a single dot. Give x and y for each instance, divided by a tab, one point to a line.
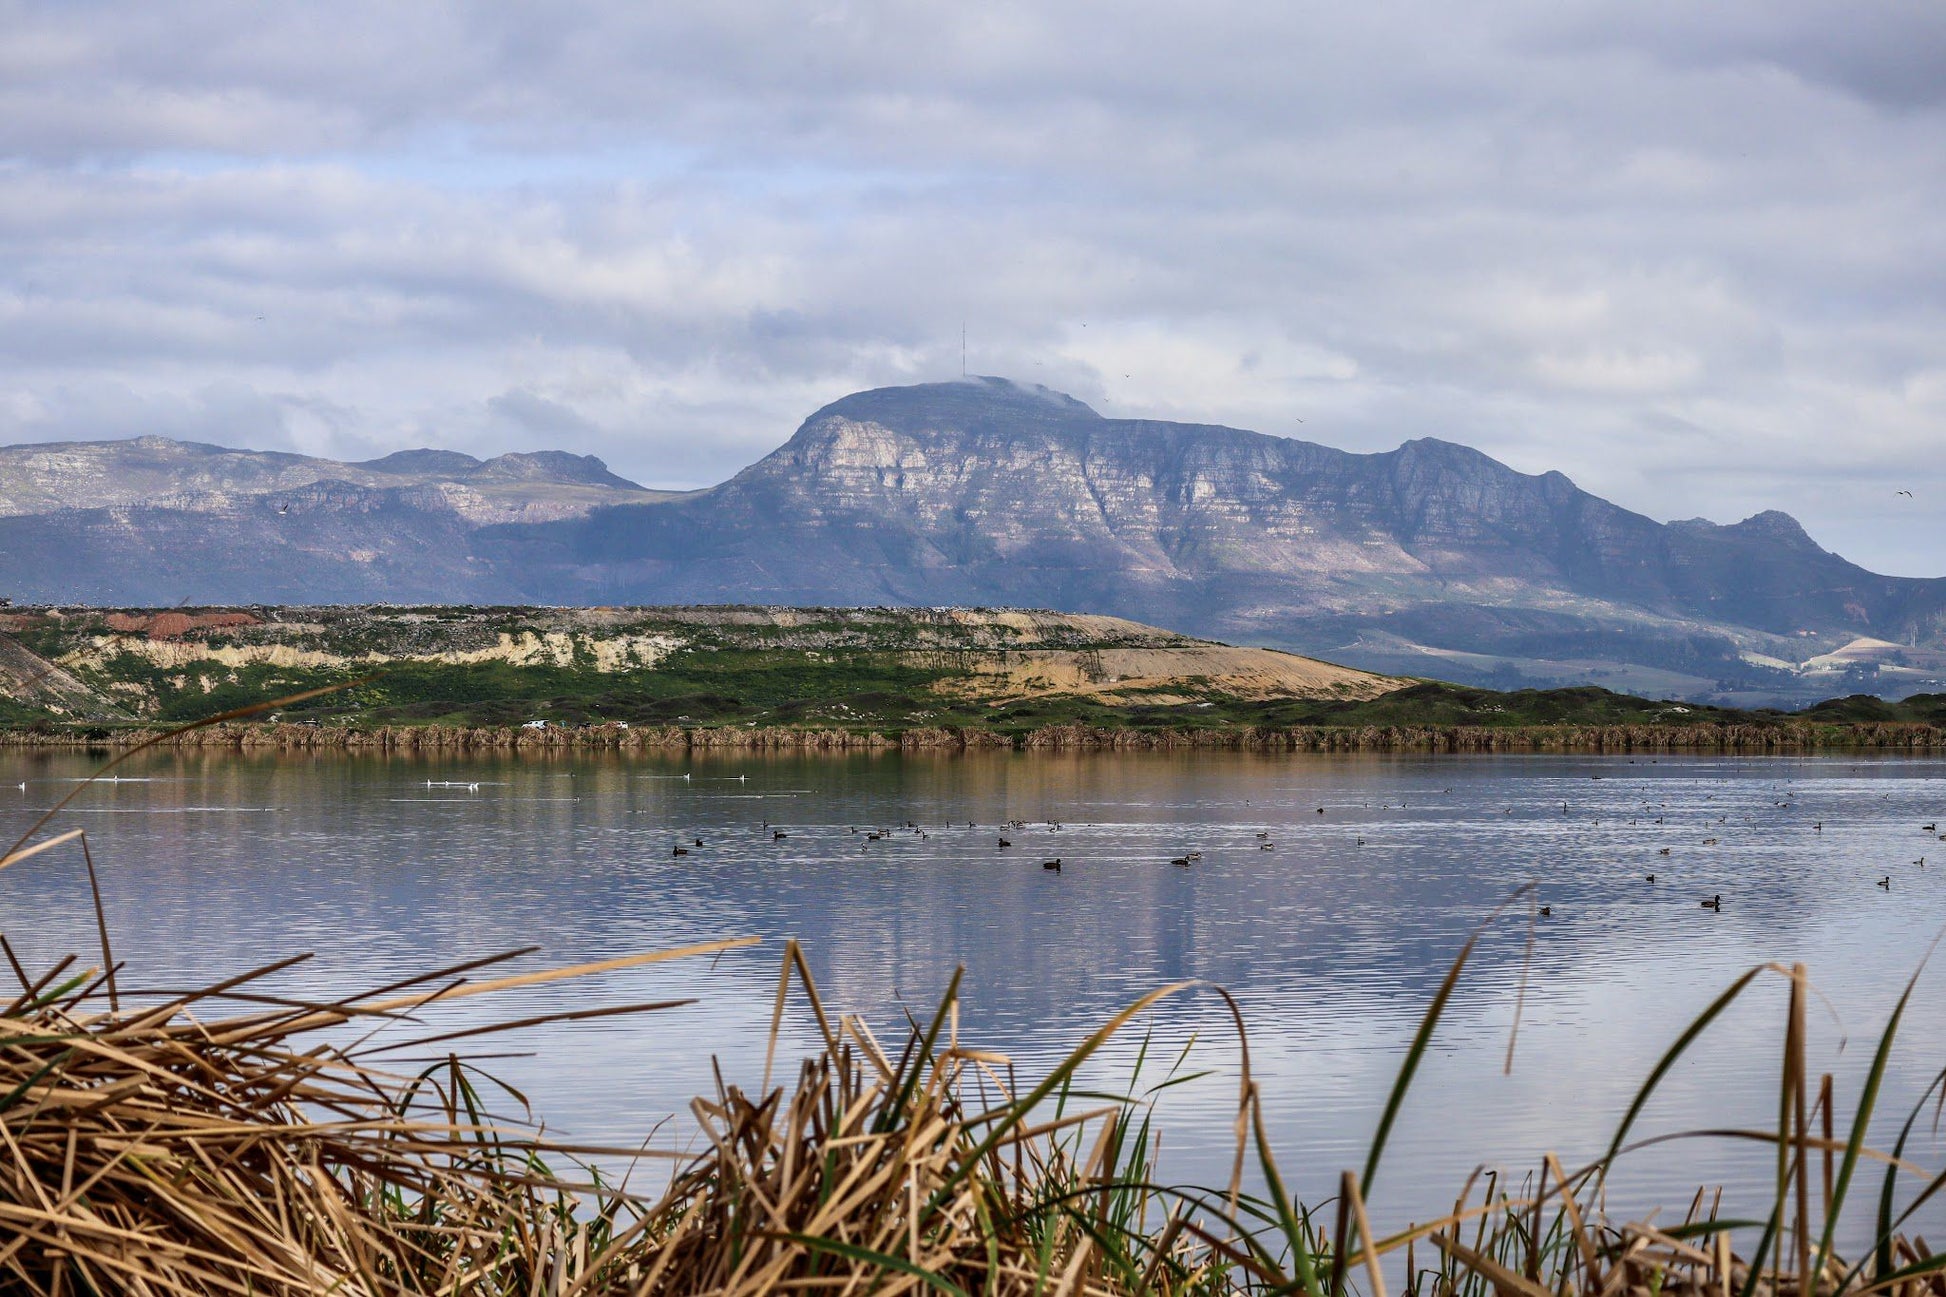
1692	255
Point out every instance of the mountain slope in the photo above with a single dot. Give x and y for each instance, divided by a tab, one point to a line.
1430	559
985	492
155	521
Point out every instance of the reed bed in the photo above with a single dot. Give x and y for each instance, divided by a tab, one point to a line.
231	1140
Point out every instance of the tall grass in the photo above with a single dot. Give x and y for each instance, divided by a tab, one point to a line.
219	1141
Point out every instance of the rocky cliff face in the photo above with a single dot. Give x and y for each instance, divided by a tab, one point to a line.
155	521
1431	559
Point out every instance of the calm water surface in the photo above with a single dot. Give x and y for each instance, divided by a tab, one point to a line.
214	863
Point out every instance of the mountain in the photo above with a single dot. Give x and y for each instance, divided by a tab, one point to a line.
1431	559
156	521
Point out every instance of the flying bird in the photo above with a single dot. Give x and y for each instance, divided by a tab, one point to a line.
1906	494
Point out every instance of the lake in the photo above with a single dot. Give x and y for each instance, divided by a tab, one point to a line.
1333	940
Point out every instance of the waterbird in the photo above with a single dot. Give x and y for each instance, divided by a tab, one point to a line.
1320	810
1546	910
1272	846
1921	862
1054	864
1886	882
1651	878
1663	852
1004	844
1263	833
1181	862
1714	903
1928	827
679	851
777	835
699	842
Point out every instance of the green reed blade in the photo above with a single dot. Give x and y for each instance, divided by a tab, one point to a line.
1669	1059
833	1247
1867	1102
889	1114
1420	1041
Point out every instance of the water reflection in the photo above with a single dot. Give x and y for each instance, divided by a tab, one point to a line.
1333	940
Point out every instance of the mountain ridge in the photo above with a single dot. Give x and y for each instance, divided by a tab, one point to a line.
1429	559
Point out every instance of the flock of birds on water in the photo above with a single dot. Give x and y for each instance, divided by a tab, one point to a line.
1190	857
1187	859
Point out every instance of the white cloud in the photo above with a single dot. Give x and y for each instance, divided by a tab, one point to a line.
1690	256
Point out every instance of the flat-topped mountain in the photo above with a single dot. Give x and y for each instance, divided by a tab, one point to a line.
1431	559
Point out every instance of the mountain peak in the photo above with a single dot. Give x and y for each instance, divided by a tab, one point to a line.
976	401
553	466
422	460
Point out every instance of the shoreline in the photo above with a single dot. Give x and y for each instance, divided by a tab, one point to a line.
1781	737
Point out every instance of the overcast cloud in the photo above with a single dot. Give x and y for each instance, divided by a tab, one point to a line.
1692	255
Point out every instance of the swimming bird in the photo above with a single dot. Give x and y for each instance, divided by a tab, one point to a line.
1272	846
1714	902
1546	910
1004	844
1921	862
1263	833
1928	827
777	835
1054	864
679	851
699	842
1320	810
1886	882
1651	878
1663	852
1181	862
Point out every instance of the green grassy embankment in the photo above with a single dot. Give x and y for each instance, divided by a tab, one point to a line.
929	677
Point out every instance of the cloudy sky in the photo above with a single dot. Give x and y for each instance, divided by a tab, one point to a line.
1691	254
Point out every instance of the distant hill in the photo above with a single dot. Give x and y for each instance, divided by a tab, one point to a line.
1431	560
156	521
845	667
